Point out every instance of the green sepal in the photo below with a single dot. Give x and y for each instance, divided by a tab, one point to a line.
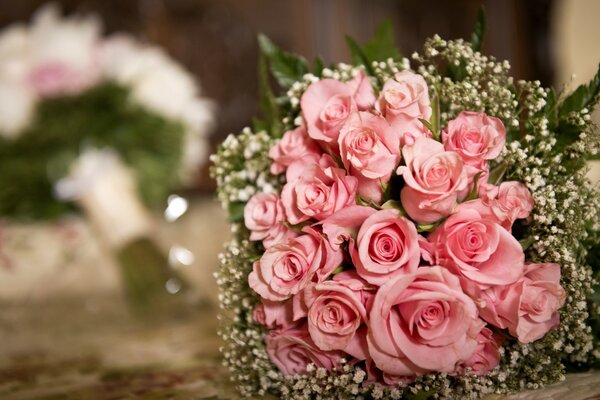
436	124
366	203
474	192
338	270
426	227
394	205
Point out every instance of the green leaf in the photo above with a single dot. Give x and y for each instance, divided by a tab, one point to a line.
318	67
379	48
358	56
287	68
525	243
431	128
383	44
259	125
267	103
497	173
479	30
421	395
585	96
236	211
551	110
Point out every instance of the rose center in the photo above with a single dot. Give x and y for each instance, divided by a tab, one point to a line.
437	174
472	142
364	141
387	245
289	269
336	109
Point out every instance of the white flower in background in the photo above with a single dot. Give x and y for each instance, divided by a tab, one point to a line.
54	55
16	108
14	52
105	188
160	84
65	55
16	98
63	52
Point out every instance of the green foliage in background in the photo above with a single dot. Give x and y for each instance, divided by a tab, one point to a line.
102	117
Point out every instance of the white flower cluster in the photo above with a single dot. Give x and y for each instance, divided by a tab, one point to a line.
241	167
476	82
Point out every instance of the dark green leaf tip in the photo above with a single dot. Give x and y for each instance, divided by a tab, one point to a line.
479	30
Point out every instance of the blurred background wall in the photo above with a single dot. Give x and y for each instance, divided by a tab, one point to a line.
216	39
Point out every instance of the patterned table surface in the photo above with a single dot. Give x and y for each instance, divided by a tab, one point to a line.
93	349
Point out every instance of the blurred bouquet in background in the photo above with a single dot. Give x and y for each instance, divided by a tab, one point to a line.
108	125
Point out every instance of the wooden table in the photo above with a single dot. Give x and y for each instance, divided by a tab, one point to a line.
92	349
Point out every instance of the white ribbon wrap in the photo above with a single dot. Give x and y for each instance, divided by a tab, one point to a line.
105	189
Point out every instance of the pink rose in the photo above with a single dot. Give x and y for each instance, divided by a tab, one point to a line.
316	190
387	245
264	217
58	78
508	202
541	299
529	307
370	150
433	178
478	248
294	145
422	322
476	137
486	356
403	101
273	314
406	96
362	91
377	376
336	309
343	226
327	104
286	268
292	350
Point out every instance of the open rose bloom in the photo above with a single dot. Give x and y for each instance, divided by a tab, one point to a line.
412	227
428	284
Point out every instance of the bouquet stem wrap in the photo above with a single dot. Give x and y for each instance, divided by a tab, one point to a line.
105	190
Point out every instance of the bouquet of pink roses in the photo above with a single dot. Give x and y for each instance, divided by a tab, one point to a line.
403	230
